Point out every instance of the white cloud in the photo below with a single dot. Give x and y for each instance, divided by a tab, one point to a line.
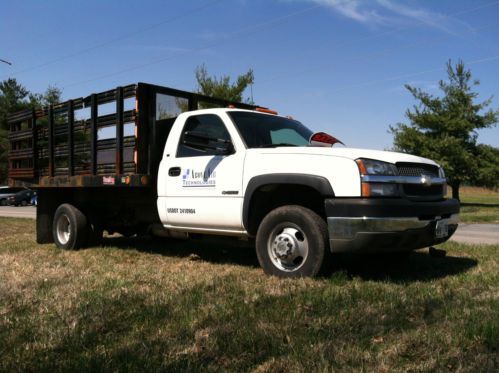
434	19
353	9
389	12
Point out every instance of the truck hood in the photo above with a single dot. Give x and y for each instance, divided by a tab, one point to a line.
350	153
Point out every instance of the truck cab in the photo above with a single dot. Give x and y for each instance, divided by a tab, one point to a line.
225	171
231	169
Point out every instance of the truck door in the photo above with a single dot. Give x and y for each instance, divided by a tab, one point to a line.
203	189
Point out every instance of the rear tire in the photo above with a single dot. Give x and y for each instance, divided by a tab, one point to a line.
69	228
24	203
292	241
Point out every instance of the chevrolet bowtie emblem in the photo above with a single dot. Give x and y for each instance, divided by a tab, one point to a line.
426	180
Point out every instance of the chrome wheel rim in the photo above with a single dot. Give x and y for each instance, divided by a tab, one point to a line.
288	247
63	229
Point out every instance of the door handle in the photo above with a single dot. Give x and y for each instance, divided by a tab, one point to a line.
174	171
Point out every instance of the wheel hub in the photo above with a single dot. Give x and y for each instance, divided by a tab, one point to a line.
284	245
63	229
288	247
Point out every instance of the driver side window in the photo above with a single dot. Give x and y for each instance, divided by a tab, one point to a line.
209	125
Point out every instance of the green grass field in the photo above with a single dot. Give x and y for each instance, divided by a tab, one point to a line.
198	306
479	205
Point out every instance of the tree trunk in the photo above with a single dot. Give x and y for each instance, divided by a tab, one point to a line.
455	190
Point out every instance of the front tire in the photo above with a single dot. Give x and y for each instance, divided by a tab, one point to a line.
69	228
292	241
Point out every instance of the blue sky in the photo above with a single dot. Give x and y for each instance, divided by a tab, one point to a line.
336	65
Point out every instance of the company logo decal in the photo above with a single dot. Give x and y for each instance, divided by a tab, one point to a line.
195	178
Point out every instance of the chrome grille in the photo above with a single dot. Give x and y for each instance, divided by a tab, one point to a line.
420	192
416	169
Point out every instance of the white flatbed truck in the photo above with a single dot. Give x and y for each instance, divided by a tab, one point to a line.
173	163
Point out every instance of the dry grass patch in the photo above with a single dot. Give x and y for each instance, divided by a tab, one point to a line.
206	306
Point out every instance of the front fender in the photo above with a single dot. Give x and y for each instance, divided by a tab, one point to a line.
319	183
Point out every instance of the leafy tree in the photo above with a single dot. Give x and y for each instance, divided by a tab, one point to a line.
488	170
51	96
15	97
444	128
222	87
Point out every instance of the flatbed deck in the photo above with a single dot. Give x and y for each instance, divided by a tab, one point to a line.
109	139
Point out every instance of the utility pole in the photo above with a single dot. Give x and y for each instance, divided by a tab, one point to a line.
7	62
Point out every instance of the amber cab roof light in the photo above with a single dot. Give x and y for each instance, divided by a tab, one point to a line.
264	110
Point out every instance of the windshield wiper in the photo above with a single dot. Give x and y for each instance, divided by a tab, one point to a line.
276	145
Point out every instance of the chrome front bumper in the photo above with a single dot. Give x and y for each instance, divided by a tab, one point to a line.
385	234
348	228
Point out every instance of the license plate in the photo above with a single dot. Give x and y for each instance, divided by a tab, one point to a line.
442	229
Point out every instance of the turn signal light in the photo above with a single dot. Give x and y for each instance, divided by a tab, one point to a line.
366	190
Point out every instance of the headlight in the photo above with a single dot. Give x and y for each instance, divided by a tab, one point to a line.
373	167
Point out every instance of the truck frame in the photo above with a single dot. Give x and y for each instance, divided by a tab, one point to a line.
63	152
146	159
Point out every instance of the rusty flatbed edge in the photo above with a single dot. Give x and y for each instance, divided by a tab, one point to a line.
126	181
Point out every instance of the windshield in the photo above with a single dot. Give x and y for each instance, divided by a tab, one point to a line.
262	131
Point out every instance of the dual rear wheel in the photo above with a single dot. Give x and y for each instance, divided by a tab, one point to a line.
72	230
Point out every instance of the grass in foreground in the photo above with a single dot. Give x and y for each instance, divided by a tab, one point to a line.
479	205
144	305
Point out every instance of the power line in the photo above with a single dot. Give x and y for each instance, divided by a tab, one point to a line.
385	33
247	31
411	75
7	62
118	38
381	53
255	28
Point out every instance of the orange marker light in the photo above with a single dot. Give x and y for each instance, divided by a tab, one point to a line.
366	190
362	167
268	111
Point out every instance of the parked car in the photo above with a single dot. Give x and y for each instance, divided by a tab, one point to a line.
6	192
22	198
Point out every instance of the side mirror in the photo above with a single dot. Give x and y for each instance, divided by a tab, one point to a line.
200	141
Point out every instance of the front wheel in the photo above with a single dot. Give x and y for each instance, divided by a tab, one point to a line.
292	241
69	228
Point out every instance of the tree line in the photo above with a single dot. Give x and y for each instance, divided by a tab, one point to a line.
15	97
442	128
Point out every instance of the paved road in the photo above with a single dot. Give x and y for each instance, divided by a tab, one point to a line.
466	233
18	212
477	233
